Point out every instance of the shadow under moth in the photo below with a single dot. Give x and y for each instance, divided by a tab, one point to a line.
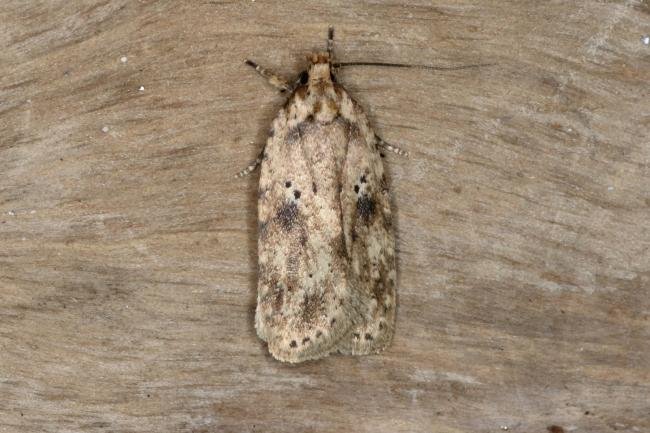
326	247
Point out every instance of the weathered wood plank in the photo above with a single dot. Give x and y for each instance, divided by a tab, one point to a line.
127	248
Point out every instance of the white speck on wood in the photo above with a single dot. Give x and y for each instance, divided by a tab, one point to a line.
599	39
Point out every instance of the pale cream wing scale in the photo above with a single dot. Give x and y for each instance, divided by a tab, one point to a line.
370	241
305	305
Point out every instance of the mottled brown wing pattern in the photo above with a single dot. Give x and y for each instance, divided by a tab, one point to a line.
305	306
368	227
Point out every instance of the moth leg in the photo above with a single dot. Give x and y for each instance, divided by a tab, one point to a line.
253	165
277	82
390	147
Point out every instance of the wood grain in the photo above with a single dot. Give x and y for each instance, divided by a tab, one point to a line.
128	248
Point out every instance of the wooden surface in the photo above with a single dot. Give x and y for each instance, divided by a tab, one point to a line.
128	249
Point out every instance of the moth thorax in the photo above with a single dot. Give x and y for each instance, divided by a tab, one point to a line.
319	71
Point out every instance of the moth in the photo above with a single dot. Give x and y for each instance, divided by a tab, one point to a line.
326	244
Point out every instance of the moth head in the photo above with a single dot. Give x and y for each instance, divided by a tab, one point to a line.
319	68
315	58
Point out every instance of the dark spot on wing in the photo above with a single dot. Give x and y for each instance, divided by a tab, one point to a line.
313	187
365	207
288	184
304	77
296	194
363	179
293	135
293	343
303	126
356	188
305	340
287	215
368	336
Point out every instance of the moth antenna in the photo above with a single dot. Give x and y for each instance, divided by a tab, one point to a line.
330	42
330	52
406	65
